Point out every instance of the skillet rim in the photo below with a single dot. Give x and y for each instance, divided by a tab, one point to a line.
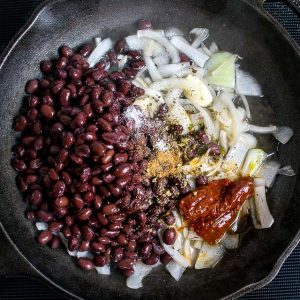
255	4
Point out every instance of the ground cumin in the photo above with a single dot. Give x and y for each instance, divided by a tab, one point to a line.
164	164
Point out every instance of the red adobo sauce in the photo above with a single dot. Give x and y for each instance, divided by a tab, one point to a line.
212	208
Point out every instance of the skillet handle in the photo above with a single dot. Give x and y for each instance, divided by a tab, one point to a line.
294	3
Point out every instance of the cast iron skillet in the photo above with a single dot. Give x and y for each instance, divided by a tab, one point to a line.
238	26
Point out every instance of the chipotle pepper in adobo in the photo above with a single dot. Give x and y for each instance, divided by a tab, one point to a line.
212	208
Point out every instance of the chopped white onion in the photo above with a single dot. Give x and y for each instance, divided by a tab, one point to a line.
268	171
191	179
100	51
209	256
237	153
183	261
246	105
262	130
197	56
137	43
173	31
175	269
205	50
254	159
103	270
122	60
87	254
230	241
221	69
140	271
98	40
283	134
172	69
178	221
152	69
258	181
161	59
263	218
287	171
41	225
201	34
163	41
223	140
246	84
213	47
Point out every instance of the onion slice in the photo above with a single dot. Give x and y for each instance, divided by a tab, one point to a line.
140	271
103	270
100	51
197	56
283	134
209	255
175	269
246	85
161	40
201	34
287	171
41	225
268	171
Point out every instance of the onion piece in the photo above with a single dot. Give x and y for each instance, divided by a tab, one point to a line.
261	216
175	269
194	89
103	270
173	31
172	69
213	48
161	59
148	105
197	56
237	153
283	134
41	226
230	241
97	40
140	271
209	256
246	105
223	140
87	254
246	84
191	179
178	116
201	34
100	51
161	40
286	171
254	159
178	221
268	171
122	60
205	50
180	259
262	130
137	43
152	69
221	69
258	181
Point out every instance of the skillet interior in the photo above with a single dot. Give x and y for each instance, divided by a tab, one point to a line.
236	27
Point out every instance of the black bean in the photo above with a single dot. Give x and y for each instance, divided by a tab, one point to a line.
44	237
86	264
169	236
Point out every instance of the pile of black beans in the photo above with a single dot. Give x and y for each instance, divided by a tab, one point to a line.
76	165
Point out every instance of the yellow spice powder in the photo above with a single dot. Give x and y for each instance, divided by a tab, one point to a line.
164	164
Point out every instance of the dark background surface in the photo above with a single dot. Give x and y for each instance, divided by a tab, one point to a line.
13	15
